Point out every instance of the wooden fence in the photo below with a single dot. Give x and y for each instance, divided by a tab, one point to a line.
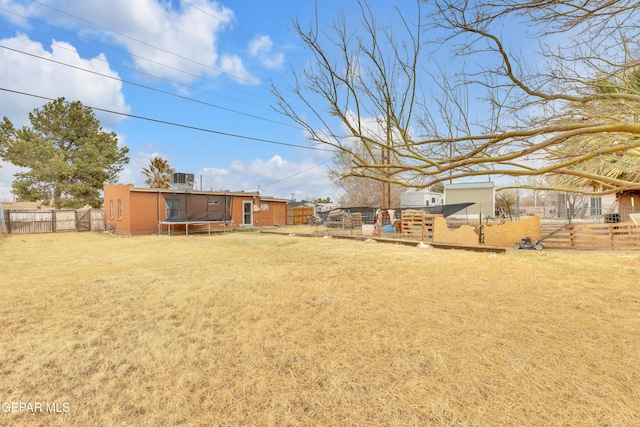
616	236
299	214
53	221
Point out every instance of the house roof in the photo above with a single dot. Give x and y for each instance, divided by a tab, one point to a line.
298	204
209	193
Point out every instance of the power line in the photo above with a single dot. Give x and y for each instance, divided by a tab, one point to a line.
173	82
196	76
142	42
296	174
126	52
232	135
146	87
247	33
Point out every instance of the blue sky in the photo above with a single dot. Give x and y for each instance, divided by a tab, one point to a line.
198	63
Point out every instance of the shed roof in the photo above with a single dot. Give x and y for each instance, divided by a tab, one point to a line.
469	185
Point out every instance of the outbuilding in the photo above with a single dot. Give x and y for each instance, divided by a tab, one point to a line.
482	194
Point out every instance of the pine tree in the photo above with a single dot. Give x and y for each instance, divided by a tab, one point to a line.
67	154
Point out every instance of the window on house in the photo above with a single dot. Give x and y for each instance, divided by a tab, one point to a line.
119	208
111	208
596	206
264	206
433	200
173	208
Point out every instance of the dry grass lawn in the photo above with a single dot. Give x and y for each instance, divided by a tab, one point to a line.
249	329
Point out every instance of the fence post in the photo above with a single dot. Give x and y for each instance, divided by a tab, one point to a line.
611	236
53	220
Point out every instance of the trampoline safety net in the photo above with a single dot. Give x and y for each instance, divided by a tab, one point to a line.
187	207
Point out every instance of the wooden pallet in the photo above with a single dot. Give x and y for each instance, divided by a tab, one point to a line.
417	225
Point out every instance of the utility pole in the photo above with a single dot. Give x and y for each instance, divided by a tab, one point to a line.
386	161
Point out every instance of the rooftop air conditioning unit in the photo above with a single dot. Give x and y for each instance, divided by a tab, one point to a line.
182	181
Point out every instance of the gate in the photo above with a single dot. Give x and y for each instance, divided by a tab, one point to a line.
83	220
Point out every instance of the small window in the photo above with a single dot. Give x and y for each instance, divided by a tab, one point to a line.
433	200
173	208
119	208
264	206
214	202
111	208
596	206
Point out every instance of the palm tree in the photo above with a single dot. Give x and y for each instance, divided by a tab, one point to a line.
606	171
158	173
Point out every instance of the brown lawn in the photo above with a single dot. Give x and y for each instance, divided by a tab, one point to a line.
248	329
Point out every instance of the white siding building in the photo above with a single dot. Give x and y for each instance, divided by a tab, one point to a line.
481	194
420	199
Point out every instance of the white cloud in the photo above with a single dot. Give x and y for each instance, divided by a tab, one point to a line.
274	176
173	40
261	48
237	166
233	66
259	45
29	74
6	178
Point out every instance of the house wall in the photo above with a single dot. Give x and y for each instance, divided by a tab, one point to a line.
141	211
121	221
626	206
412	199
147	208
275	215
236	209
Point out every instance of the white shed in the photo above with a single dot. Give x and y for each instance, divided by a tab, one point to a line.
482	194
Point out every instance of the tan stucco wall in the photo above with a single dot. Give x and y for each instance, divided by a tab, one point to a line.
509	233
506	234
465	235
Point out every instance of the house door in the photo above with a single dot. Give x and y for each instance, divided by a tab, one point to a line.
247	214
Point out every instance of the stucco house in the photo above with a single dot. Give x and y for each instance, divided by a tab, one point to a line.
130	210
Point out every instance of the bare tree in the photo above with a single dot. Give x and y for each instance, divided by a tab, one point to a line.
534	106
360	191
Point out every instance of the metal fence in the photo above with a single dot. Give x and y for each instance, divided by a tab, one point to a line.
30	221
